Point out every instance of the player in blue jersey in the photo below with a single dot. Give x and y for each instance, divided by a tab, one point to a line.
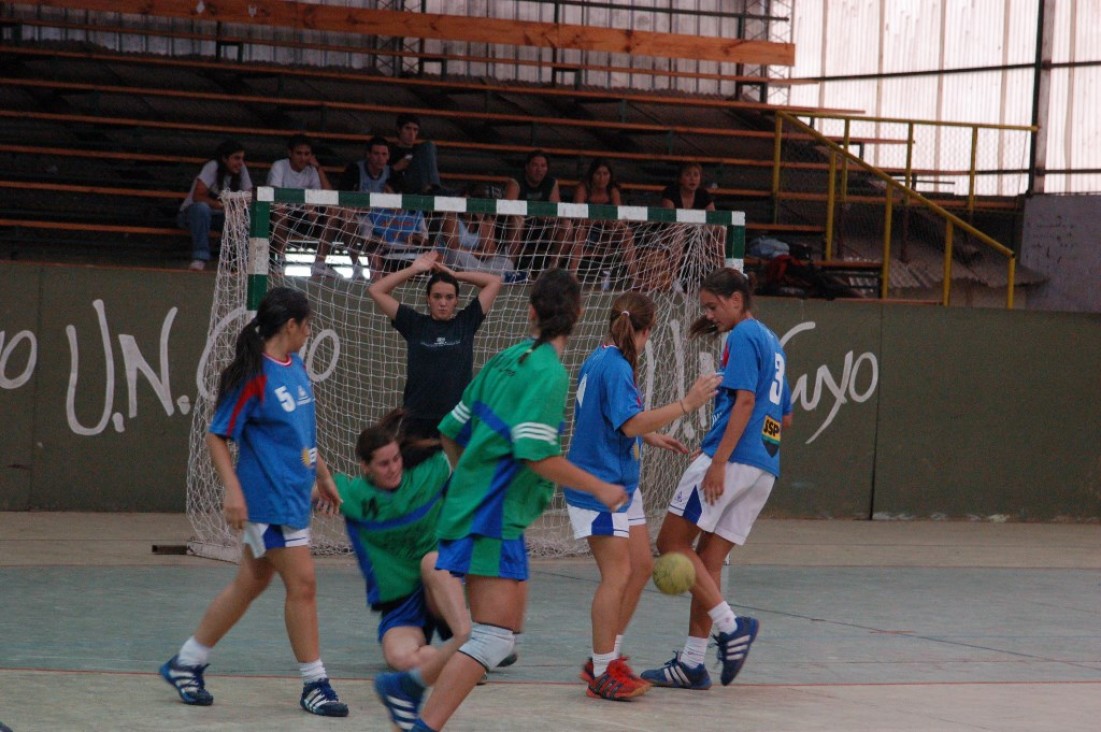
723	490
609	424
266	405
503	438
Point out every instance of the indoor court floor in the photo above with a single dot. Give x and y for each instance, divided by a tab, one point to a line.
865	626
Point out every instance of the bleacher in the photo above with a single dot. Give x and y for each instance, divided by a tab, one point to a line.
100	147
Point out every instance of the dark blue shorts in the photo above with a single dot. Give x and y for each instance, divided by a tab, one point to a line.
413	612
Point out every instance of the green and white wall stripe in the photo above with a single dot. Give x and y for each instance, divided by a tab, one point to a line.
734	220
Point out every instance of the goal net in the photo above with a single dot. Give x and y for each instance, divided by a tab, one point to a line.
357	360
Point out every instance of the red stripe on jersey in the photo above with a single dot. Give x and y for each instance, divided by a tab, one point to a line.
254	388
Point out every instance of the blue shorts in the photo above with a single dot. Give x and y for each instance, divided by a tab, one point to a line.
484	556
262	537
413	612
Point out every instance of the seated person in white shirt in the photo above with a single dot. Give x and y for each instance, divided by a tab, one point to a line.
299	169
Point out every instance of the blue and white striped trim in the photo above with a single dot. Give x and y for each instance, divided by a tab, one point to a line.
267	194
535	431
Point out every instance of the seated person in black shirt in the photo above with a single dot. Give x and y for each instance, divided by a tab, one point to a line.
413	165
537	243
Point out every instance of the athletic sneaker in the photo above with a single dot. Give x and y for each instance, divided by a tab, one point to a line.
320	699
323	269
515	277
197	265
403	705
678	675
734	646
617	683
509	660
586	674
188	681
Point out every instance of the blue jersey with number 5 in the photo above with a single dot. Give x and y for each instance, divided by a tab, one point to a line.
271	418
752	360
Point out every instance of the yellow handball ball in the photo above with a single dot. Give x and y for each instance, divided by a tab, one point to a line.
674	573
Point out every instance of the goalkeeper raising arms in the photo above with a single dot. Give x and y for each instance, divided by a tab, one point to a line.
440	345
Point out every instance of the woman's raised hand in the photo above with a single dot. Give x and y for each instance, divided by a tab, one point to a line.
702	391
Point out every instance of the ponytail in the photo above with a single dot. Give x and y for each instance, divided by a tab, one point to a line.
278	306
632	312
556	298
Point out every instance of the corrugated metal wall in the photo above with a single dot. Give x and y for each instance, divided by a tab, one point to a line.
874	37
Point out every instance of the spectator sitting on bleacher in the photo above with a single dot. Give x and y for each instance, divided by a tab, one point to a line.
369	175
607	242
299	169
202	212
413	168
660	265
470	240
536	243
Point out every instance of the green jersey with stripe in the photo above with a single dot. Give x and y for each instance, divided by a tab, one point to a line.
510	413
391	531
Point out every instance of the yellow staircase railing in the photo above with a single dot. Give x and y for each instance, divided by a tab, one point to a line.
841	158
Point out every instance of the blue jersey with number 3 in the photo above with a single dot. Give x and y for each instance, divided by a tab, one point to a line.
752	360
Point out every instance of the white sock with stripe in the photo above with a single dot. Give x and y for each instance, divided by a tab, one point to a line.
617	649
694	653
723	617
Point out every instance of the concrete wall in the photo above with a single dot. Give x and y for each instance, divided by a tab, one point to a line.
1062	239
900	410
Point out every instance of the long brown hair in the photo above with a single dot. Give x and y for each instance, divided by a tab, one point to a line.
389	429
556	298
632	312
722	282
279	305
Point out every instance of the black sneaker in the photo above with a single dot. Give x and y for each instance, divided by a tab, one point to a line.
188	682
320	699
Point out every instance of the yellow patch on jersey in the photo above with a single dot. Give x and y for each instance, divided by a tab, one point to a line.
770	431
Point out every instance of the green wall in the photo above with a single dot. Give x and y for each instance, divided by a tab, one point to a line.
900	410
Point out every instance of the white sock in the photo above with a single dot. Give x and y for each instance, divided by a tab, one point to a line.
694	653
312	671
193	653
617	649
723	617
600	663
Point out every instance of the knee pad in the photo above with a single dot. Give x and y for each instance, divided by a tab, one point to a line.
489	644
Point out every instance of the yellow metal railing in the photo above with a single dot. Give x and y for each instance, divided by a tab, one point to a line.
893	189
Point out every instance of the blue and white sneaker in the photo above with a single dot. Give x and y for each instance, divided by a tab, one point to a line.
734	646
188	682
319	698
401	696
677	675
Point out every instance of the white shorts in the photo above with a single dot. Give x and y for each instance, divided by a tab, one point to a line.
587	522
745	491
261	537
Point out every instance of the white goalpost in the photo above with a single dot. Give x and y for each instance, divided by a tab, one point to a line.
356	360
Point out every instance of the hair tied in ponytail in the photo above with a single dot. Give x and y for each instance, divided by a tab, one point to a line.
626	312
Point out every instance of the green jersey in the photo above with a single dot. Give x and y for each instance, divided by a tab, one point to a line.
511	412
391	531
